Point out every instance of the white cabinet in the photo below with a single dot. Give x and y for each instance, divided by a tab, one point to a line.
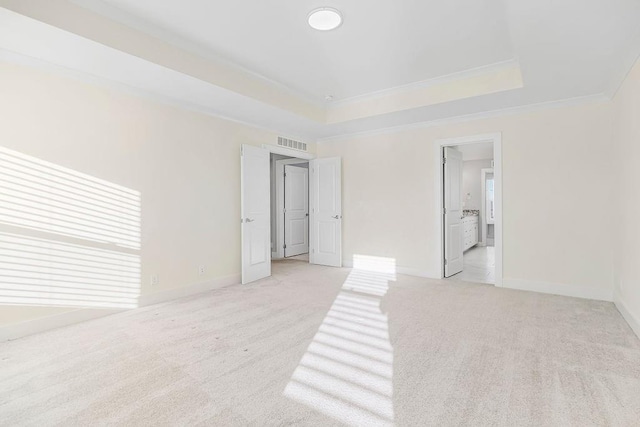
470	235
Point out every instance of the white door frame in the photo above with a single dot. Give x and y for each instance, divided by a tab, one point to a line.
288	152
279	252
496	138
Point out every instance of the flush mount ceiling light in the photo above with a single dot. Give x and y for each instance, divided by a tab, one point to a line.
325	19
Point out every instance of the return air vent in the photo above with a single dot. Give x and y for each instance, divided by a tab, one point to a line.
290	143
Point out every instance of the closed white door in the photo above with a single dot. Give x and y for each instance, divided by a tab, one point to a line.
326	212
296	210
256	213
453	231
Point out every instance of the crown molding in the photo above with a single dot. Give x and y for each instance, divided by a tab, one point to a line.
140	24
20	59
601	97
410	87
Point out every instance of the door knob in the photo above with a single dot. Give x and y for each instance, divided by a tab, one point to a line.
336	217
248	220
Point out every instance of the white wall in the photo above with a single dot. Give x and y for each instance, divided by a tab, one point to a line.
625	218
553	160
186	166
472	183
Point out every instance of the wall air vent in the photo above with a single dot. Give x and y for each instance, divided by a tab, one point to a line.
290	143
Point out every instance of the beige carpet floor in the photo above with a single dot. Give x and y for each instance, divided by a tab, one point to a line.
323	346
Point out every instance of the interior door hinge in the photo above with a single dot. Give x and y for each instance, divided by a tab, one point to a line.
285	174
444	211
444	160
284	246
445	262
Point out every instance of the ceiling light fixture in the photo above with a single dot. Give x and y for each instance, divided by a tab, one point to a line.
325	19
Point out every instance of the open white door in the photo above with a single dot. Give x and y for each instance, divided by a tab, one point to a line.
256	213
296	210
453	235
326	211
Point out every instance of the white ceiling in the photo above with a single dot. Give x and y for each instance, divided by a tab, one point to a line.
381	44
564	51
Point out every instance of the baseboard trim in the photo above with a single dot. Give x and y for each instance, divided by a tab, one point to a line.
185	291
409	271
30	327
559	289
416	272
522	285
632	320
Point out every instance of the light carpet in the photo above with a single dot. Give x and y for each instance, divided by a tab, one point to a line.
325	346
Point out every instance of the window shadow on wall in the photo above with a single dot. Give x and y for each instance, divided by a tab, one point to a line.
66	238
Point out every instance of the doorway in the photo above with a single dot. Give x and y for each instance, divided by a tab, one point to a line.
289	208
470	208
324	209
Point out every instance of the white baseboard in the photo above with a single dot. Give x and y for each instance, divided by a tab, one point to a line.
416	272
409	271
30	327
559	289
633	321
519	284
188	290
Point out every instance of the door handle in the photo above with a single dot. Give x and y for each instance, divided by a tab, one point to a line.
337	216
249	220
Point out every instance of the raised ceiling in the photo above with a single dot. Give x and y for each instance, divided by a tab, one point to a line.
391	64
382	44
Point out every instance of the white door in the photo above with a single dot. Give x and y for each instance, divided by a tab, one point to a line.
326	212
296	210
256	213
453	232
